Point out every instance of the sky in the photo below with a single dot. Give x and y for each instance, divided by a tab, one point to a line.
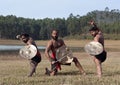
40	9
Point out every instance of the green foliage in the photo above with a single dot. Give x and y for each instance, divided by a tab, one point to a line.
78	37
108	21
112	36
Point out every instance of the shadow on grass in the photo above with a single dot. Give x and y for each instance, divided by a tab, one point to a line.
89	73
74	73
112	74
69	73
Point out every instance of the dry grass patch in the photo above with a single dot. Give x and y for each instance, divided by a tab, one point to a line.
14	72
14	69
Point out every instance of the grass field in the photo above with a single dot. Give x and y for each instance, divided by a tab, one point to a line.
14	69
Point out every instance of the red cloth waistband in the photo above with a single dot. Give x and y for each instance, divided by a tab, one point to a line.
53	56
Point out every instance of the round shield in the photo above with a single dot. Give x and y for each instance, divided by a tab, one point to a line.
28	51
94	48
64	55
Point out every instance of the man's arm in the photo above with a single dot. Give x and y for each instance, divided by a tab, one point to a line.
48	48
97	38
93	23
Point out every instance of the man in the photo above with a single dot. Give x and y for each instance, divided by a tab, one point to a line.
98	37
37	58
52	46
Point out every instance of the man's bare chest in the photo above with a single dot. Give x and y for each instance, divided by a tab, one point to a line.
57	44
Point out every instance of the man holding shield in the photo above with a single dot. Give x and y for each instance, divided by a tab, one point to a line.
98	37
53	45
35	59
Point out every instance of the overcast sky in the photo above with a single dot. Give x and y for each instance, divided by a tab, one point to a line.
40	9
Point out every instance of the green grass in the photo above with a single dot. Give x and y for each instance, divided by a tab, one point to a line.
13	71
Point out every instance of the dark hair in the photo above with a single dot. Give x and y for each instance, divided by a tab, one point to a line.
24	34
94	29
54	30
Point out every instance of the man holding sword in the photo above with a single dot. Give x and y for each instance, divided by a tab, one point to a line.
52	46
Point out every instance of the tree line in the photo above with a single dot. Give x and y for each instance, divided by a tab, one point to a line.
108	21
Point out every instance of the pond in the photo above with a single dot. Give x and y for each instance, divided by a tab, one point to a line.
16	47
6	48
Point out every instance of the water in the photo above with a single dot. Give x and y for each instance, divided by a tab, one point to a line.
41	48
15	47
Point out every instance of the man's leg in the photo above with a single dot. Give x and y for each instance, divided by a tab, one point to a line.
78	65
53	70
98	66
33	66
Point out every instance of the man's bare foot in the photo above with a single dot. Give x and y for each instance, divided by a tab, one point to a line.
99	76
47	71
83	73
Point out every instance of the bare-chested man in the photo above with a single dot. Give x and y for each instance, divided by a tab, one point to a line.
53	45
35	60
98	37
